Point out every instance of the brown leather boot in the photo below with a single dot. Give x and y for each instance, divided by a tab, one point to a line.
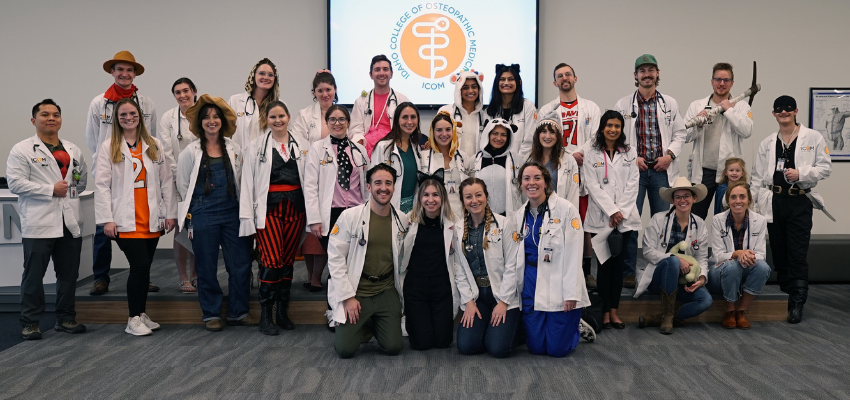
668	306
741	319
729	320
649	320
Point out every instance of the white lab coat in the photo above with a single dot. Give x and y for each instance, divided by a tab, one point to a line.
346	256
308	123
811	158
380	155
114	199
526	122
362	114
501	262
254	191
99	122
247	118
736	124
469	125
459	167
513	198
190	165
723	244
670	125
562	278
619	194
172	123
655	239
569	187
455	260
320	179
31	172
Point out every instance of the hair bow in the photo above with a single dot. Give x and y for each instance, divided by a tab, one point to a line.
438	175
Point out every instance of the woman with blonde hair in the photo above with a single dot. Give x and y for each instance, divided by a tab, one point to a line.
444	153
135	202
261	89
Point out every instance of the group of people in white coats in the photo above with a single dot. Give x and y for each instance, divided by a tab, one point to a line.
491	214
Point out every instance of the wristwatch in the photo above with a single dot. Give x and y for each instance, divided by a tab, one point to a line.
670	153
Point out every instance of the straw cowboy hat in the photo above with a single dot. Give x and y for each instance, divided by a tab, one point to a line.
699	190
124	57
229	115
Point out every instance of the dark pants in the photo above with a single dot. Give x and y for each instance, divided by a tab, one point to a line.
139	254
335	213
789	233
379	314
650	182
498	340
101	255
709	177
610	277
65	252
429	311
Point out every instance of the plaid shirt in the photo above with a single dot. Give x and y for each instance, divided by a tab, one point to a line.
738	234
648	134
677	235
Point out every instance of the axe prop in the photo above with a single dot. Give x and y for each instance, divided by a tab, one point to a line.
700	120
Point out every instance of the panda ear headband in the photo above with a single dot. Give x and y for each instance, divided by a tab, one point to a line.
501	122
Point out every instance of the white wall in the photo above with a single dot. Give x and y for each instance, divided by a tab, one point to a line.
56	49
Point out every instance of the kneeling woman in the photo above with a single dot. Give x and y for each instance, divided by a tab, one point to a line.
663	269
491	307
272	206
430	295
496	165
208	179
135	202
550	241
738	240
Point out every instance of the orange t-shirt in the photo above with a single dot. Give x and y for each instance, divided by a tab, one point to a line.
140	199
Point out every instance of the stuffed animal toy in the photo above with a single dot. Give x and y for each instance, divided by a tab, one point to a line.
683	250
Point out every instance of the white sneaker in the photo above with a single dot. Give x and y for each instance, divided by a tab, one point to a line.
148	323
404	326
136	327
587	333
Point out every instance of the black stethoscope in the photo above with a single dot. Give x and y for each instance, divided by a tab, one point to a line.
245	108
708	106
106	118
392	98
459	162
468	245
480	155
663	106
725	232
693	225
396	219
400	171
544	214
293	148
179	126
457	117
327	159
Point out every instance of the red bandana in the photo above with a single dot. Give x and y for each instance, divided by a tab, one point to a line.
116	92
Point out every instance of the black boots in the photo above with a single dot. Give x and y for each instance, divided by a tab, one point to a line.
281	318
797	294
267	297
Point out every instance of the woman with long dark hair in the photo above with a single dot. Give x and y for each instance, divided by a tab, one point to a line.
548	149
507	102
208	180
400	150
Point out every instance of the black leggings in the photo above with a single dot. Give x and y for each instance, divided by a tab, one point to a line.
428	310
609	281
139	254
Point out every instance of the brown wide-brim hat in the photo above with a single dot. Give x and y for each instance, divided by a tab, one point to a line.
125	57
699	190
229	115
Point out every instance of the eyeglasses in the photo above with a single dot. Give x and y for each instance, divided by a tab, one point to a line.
721	80
682	197
334	121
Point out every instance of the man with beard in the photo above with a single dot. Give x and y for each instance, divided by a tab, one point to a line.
364	255
656	130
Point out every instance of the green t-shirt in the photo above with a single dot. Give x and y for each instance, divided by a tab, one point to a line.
408	159
379	256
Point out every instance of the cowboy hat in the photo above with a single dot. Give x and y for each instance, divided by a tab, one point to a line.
229	115
125	57
699	190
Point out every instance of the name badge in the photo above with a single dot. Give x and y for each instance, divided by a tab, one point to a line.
72	191
547	254
780	164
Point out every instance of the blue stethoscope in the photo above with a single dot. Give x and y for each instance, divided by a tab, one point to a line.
327	159
293	148
401	230
457	117
480	155
663	106
391	99
692	225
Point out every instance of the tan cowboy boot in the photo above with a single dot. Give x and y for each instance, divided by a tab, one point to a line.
668	305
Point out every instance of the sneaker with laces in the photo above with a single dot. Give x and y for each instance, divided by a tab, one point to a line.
587	333
136	327
148	323
31	332
69	327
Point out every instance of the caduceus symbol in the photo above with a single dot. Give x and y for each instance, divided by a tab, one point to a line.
440	24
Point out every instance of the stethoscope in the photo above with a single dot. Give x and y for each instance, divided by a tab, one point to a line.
400	171
106	118
693	225
392	98
725	232
469	247
662	108
708	106
480	155
457	117
401	230
327	159
459	162
544	214
245	108
293	148
179	126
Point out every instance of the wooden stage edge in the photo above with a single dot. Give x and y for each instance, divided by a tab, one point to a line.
313	312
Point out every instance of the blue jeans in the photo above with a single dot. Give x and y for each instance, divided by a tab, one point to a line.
101	255
498	340
215	222
666	276
727	279
651	181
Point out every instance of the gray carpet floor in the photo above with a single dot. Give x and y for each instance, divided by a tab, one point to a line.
701	361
